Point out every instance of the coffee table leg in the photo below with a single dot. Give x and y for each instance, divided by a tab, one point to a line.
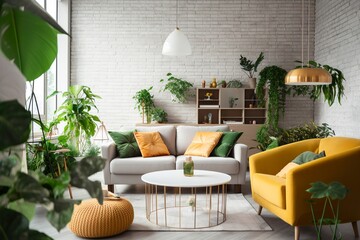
195	209
156	205
179	207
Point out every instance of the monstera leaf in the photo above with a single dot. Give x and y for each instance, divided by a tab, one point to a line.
14	124
85	168
28	41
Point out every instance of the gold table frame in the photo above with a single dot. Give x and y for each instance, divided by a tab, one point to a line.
165	204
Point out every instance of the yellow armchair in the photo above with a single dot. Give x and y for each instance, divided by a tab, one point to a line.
287	198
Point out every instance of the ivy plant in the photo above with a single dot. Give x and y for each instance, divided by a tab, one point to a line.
178	88
274	78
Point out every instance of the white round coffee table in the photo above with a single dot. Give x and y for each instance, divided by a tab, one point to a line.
174	200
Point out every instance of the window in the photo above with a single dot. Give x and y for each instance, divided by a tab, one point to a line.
51	80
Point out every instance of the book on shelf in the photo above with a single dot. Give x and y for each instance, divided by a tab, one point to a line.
232	122
209	106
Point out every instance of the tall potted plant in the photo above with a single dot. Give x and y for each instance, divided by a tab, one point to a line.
75	111
250	68
144	103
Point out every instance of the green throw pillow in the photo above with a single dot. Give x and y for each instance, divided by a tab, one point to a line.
126	144
308	157
226	143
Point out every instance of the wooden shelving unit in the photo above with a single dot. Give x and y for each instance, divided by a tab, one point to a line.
229	106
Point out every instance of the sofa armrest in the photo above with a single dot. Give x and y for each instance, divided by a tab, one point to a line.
108	152
272	161
240	152
342	167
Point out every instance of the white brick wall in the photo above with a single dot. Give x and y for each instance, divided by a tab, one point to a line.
116	49
337	43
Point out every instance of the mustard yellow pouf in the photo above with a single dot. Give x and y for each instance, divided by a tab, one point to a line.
92	220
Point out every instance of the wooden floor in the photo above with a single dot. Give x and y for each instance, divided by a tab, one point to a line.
281	230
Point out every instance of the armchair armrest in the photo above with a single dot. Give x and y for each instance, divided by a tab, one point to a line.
342	167
272	161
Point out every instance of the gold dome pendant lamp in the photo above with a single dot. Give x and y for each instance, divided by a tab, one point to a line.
306	75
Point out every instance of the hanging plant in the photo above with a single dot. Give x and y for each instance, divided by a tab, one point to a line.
274	77
178	88
330	92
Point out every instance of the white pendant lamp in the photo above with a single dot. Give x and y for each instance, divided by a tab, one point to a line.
176	44
305	75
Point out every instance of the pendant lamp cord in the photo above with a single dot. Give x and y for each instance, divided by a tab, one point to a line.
302	34
308	33
177	13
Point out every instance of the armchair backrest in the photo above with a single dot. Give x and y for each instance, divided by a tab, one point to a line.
335	145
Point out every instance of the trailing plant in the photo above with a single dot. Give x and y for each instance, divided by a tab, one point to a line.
250	67
159	115
80	124
269	138
274	78
332	193
178	88
331	92
144	103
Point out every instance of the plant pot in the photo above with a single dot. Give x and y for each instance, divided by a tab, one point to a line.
252	82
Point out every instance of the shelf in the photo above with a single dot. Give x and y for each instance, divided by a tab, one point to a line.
232	108
254	117
255	108
231	117
208	100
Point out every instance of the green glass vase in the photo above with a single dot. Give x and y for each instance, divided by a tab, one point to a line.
188	167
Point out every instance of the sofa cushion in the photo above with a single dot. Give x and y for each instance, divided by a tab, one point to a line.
203	143
140	165
226	165
270	187
285	169
151	144
226	144
125	144
307	156
168	135
185	134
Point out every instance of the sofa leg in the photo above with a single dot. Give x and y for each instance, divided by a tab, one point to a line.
111	188
355	228
259	210
237	188
296	232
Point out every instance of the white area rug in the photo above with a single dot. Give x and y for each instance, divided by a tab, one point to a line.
241	216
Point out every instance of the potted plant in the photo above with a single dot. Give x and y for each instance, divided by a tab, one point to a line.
234	84
144	103
250	68
178	88
159	115
80	124
332	192
222	83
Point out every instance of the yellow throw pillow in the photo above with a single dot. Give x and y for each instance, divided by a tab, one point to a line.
203	143
151	144
285	169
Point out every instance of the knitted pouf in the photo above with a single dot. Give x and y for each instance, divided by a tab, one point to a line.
92	220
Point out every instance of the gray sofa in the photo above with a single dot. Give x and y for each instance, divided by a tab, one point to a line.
177	139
